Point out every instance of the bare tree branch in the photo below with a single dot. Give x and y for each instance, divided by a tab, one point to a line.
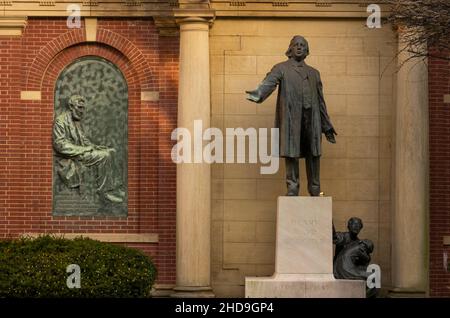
425	26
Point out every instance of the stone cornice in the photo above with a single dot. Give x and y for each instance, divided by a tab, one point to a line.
161	8
166	25
293	8
194	4
167	13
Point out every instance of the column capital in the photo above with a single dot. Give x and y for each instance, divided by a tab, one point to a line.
201	16
169	25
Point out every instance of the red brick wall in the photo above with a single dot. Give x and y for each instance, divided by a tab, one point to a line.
439	85
33	62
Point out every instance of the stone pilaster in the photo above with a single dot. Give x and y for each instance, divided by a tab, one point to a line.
410	231
193	278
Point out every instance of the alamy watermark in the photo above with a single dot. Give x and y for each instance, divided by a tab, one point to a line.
374	19
74	279
74	19
374	279
194	149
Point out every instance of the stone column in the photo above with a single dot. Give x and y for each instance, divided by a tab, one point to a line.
410	231
193	278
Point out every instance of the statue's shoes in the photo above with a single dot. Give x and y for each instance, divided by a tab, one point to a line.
113	198
315	193
292	191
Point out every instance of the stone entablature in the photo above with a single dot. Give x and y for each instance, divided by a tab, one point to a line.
165	13
159	8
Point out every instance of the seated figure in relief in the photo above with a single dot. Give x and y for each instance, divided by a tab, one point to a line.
74	152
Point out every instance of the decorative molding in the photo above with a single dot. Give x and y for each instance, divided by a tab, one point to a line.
91	29
293	8
104	237
280	4
90	3
321	3
12	26
237	4
149	96
222	8
133	3
167	26
365	3
47	3
194	4
200	15
30	95
446	240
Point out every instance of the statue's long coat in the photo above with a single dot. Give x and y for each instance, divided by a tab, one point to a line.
69	143
289	76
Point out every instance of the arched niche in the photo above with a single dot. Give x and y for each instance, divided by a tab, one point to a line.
90	183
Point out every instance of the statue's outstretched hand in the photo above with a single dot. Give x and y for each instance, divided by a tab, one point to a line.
330	135
253	96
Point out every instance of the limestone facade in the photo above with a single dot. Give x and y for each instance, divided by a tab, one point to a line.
357	66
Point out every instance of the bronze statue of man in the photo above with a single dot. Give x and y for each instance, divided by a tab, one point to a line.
301	114
74	152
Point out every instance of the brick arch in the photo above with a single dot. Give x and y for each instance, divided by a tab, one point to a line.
70	54
76	37
141	124
49	78
142	131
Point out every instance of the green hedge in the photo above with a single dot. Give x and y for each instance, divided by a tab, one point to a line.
37	268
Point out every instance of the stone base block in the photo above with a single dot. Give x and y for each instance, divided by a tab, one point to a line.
162	290
192	292
406	293
303	286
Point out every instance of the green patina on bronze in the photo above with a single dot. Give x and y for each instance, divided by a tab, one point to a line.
90	140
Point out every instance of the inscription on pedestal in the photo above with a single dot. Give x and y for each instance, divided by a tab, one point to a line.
303	244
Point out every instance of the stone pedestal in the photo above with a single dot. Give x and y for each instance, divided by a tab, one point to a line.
304	255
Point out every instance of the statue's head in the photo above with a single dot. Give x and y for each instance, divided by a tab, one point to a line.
298	48
354	225
368	246
77	105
